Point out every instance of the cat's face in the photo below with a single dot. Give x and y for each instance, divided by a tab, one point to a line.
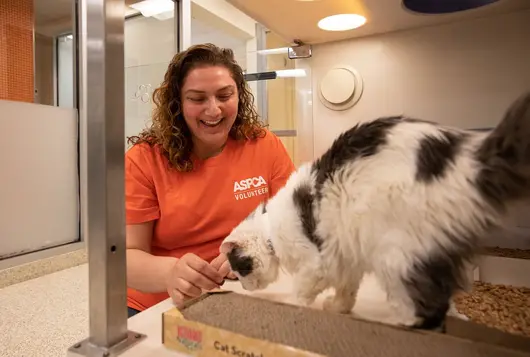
249	254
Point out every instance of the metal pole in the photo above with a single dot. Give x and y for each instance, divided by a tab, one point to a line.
102	116
261	95
182	25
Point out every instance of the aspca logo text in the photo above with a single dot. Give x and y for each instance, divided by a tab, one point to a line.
189	338
251	182
250	187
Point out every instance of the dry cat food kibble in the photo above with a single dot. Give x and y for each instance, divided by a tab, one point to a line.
508	253
506	308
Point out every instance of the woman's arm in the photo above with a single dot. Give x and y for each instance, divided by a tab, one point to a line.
181	278
145	272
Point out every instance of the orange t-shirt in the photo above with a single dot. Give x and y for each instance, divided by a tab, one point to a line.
195	211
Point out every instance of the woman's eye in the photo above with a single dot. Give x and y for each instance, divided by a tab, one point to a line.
198	100
225	97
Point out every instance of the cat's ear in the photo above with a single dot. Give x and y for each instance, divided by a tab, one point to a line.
258	211
227	247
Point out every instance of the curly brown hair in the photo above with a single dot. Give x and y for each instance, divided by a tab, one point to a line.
168	128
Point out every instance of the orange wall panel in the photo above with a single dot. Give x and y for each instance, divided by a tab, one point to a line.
16	50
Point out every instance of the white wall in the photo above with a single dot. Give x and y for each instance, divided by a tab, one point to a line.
462	74
39	205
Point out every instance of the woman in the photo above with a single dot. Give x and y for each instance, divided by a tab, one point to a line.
202	166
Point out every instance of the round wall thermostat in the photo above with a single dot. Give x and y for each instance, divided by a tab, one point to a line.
340	88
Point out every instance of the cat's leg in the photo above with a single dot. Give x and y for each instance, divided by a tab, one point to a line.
420	290
398	299
389	273
308	283
343	300
453	311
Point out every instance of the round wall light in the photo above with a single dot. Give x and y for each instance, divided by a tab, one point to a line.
341	22
444	6
340	88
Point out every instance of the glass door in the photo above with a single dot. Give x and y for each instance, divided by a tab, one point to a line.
146	61
283	87
40	120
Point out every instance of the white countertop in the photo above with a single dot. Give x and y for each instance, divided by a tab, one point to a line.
45	316
371	304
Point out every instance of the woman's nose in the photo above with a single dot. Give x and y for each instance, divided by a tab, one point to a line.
213	108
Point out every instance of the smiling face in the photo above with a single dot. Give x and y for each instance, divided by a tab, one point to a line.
209	106
249	253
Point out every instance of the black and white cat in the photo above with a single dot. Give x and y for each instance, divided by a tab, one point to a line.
404	199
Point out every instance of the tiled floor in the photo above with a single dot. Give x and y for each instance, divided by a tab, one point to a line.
44	316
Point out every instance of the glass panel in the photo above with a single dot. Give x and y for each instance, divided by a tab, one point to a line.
40	191
284	93
65	71
146	62
281	92
220	23
204	32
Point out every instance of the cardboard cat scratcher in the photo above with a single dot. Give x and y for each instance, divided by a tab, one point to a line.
231	324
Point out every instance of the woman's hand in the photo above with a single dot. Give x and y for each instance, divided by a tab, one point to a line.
190	276
223	266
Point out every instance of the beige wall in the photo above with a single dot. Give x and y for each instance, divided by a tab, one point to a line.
462	74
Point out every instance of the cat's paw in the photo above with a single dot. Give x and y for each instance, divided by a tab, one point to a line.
405	317
304	301
332	304
455	313
408	321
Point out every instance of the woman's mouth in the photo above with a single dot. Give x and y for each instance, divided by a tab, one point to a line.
211	123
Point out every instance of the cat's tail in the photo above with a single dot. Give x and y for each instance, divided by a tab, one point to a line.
505	155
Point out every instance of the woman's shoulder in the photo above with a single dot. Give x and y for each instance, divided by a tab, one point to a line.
144	152
266	140
267	145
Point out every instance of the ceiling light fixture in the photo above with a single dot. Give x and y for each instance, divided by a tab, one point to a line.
284	73
290	73
274	51
153	8
341	22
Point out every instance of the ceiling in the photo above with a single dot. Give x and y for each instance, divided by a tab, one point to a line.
47	11
297	19
52	17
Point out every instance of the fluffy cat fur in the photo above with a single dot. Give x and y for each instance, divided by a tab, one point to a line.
405	199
